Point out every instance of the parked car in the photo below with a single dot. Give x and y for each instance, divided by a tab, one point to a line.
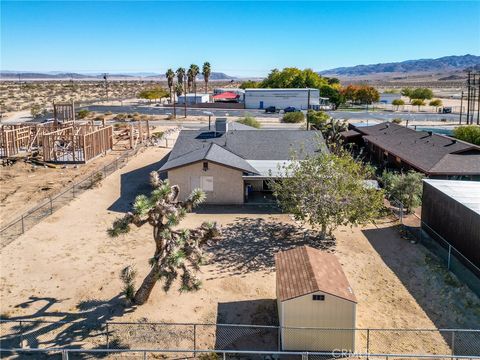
445	110
271	109
290	109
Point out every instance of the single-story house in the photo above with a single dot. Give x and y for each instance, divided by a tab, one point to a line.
194	98
234	163
435	155
313	293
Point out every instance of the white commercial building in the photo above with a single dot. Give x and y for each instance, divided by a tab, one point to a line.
282	98
194	99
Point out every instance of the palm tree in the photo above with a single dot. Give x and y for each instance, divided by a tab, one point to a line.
170	77
206	71
189	79
194	69
180	75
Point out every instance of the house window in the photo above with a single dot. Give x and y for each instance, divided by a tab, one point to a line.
206	183
318	297
205	165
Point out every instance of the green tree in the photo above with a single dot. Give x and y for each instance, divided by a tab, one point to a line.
418	102
327	191
468	133
398	103
333	94
367	95
406	188
293	117
170	75
181	76
407	92
421	93
178	252
249	84
179	89
206	72
249	120
436	102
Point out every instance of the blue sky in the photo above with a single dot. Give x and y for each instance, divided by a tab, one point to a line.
238	38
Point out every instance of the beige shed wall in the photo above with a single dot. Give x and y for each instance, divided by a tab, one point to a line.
227	182
333	312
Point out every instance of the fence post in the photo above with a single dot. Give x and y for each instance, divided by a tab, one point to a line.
51	205
23	225
64	354
453	342
368	342
144	355
279	340
108	342
194	340
21	335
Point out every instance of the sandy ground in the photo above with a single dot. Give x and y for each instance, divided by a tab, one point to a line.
23	185
67	268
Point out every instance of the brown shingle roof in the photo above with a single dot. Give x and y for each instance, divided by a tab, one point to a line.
423	150
305	270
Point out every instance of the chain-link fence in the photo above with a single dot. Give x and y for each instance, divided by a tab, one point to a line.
191	337
450	257
48	206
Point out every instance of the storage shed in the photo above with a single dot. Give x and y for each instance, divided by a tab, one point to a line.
312	293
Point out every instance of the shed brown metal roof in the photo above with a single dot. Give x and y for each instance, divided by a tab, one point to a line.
305	270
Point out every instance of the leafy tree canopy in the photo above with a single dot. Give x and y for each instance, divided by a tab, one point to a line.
406	188
469	133
327	191
249	84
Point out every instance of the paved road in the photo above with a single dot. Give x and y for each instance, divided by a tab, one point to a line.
161	110
384	116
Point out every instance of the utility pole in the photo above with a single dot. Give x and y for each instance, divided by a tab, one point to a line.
105	78
308	108
461	108
185	99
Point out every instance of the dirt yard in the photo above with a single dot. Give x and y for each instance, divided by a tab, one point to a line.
23	185
67	268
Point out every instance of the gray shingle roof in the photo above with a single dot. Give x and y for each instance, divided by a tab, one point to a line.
234	147
424	151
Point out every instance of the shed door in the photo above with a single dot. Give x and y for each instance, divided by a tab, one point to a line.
261	104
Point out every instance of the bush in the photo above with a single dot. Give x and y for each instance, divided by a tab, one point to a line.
469	133
397	121
82	114
406	188
250	121
293	117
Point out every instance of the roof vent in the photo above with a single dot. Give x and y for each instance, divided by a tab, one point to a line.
221	125
430	133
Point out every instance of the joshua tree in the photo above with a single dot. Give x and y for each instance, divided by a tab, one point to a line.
177	252
194	69
206	71
170	77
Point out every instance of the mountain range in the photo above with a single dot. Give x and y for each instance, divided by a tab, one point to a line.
58	75
444	64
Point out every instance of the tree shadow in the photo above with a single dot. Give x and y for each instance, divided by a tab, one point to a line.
47	328
134	183
250	245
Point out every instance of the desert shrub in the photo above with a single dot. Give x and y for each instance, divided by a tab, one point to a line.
250	121
157	134
397	121
108	113
293	117
82	114
209	356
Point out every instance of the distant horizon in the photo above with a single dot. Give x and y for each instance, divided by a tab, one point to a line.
242	39
154	73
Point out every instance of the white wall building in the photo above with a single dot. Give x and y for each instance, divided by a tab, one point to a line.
282	98
200	98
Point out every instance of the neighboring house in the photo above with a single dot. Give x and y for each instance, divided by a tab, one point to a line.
234	163
194	99
282	98
313	292
451	210
434	155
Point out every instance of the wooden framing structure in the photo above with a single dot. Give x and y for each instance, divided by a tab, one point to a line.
138	133
64	112
77	144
